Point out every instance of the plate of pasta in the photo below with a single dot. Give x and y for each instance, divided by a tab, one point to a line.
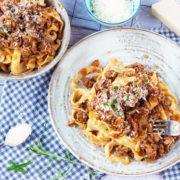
34	35
104	99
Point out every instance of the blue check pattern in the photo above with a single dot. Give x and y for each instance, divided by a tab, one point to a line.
26	101
172	173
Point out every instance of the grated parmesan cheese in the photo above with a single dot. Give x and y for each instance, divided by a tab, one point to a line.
112	11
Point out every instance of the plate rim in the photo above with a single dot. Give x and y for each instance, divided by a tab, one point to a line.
52	81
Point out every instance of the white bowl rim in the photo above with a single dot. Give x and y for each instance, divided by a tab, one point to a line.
112	24
54	123
57	58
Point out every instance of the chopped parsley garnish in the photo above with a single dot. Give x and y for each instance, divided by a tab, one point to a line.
116	88
136	93
120	113
14	17
5	30
114	109
127	97
114	101
145	80
105	104
146	158
104	91
33	11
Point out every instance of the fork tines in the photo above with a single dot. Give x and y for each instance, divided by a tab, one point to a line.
160	127
161	121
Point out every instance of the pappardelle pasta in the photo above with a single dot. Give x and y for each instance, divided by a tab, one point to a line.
30	35
116	107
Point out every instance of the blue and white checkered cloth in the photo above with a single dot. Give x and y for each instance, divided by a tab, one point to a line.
26	101
172	173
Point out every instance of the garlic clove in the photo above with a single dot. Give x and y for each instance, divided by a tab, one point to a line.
18	134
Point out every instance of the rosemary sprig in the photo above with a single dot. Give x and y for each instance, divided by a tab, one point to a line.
92	174
60	175
18	167
38	150
46	166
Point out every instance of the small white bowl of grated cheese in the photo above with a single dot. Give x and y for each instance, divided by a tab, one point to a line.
112	12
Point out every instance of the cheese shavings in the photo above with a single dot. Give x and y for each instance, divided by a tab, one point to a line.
112	11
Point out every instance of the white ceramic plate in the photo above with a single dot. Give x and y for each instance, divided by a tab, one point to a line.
128	45
65	41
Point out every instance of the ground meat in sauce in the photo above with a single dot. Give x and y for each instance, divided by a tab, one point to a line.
123	108
133	107
121	151
137	67
84	105
24	26
89	82
111	75
95	63
94	132
154	147
166	103
102	85
82	117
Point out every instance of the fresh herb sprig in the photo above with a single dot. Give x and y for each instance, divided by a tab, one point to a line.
92	174
146	80
60	175
114	101
18	167
120	114
127	97
5	30
116	88
14	17
40	151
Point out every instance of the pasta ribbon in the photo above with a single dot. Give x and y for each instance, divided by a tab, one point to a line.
116	109
31	35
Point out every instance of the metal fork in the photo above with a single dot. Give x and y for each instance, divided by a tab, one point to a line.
166	127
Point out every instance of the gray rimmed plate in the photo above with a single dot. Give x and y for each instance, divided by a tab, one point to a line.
65	41
128	45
